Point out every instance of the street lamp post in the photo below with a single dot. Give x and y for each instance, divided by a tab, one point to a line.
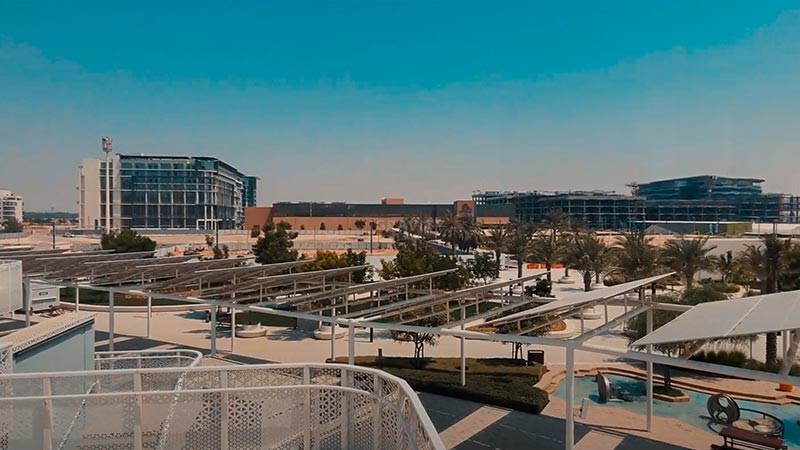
105	143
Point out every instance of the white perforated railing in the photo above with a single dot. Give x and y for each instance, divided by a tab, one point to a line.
146	359
304	407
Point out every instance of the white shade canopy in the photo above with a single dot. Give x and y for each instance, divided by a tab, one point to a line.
729	318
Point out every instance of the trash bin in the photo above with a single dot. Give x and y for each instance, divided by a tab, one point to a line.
536	356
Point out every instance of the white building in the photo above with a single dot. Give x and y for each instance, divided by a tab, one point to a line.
10	206
164	192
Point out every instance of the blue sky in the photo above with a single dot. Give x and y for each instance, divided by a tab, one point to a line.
428	100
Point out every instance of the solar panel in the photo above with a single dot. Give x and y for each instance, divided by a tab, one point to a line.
581	300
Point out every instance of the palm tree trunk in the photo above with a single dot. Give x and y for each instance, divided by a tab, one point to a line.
519	266
587	281
497	264
549	267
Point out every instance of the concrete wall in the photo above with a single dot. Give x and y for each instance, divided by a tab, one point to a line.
69	351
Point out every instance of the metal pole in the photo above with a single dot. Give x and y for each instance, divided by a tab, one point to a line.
233	328
111	320
569	438
649	365
26	300
351	345
213	328
463	355
106	145
333	333
149	313
54	235
77	298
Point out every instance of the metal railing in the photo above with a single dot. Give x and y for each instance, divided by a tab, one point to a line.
146	359
280	406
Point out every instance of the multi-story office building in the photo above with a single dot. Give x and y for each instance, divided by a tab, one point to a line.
162	192
598	209
713	198
10	206
693	199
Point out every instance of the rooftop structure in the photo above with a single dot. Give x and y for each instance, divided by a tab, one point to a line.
159	192
10	206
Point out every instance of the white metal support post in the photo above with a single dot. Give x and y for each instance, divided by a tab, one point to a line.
351	344
569	438
26	300
77	298
47	423
333	332
149	313
463	355
213	328
233	328
111	320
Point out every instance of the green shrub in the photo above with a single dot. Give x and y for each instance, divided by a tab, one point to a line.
501	382
737	358
727	288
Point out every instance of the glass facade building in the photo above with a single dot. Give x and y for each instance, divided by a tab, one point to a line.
597	209
701	198
165	192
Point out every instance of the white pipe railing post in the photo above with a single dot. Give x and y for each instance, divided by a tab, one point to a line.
137	413
224	419
463	354
307	408
77	298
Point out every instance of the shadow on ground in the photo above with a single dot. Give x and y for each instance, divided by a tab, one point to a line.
522	430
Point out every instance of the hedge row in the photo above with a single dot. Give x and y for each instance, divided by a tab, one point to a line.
501	382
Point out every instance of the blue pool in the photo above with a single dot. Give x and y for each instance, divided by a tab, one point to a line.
693	412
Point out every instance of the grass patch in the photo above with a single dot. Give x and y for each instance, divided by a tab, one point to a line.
501	382
90	297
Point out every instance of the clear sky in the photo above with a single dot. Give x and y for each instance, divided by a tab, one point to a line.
353	101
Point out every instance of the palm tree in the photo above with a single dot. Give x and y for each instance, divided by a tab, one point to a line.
496	241
546	248
460	230
725	265
765	263
638	257
518	242
589	255
687	257
450	229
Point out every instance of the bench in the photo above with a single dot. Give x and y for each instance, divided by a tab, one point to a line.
734	438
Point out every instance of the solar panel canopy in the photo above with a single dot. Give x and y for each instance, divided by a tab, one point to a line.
729	318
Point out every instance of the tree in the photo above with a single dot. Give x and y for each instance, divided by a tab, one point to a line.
496	241
546	247
460	230
322	226
126	241
416	257
255	232
765	263
637	257
482	266
726	266
421	339
340	227
360	224
275	244
326	260
12	225
518	243
589	255
209	241
221	253
687	257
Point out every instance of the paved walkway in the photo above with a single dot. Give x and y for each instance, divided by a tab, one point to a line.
471	425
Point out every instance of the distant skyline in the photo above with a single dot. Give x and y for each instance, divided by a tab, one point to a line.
354	101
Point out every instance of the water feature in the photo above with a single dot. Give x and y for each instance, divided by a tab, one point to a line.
693	412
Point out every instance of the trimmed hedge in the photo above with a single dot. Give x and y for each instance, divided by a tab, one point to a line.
737	358
501	382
